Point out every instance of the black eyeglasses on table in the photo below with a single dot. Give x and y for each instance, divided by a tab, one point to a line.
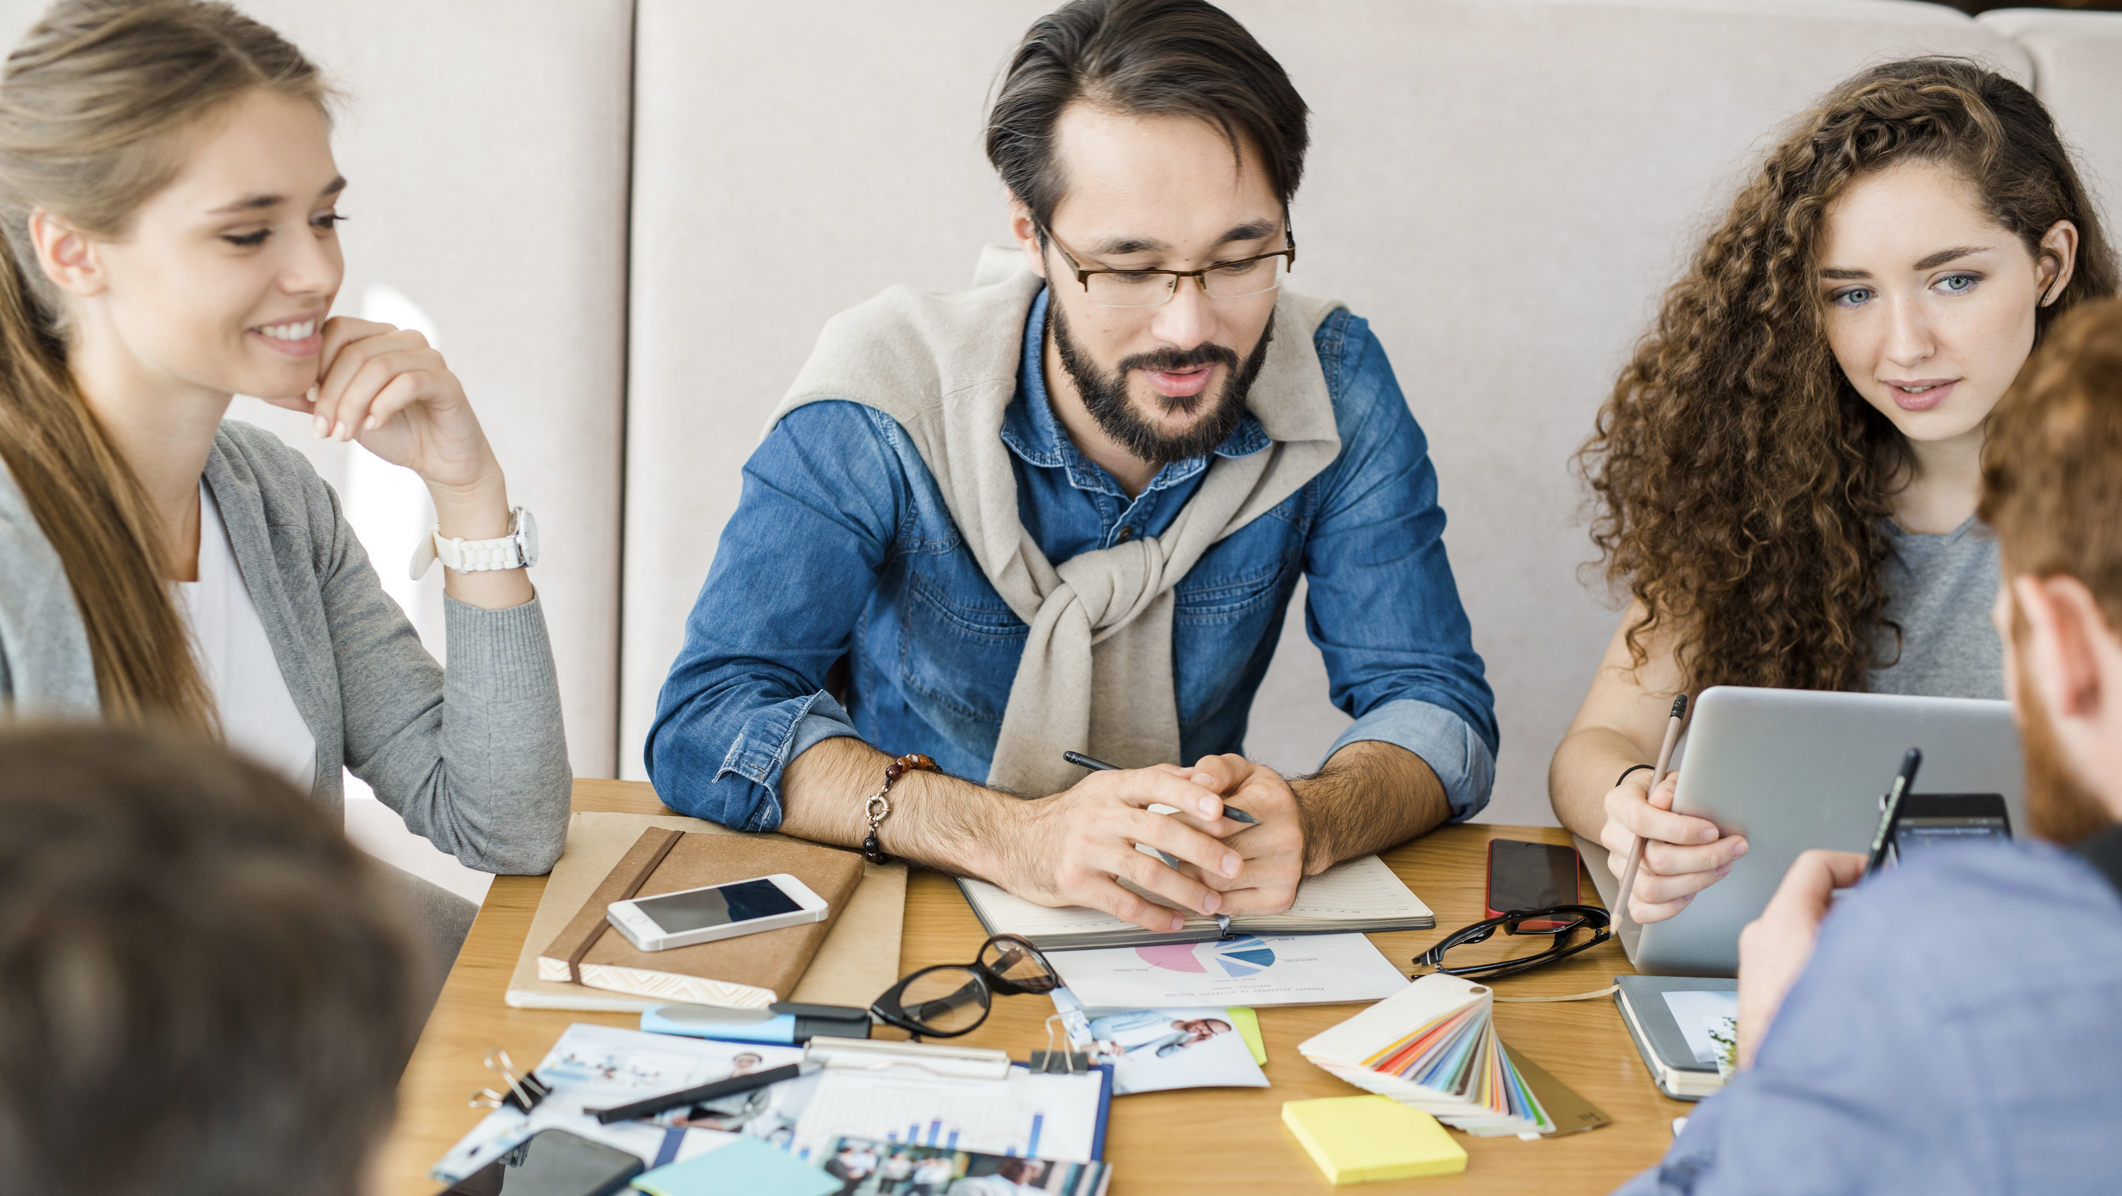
1579	917
952	999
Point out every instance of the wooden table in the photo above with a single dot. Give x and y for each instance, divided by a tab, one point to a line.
1223	1140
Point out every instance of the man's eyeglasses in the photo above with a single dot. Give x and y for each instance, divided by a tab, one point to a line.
1578	917
1240	279
952	999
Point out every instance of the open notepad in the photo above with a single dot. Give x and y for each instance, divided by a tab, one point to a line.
1360	895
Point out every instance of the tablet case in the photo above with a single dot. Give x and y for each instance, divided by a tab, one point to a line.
1649	1020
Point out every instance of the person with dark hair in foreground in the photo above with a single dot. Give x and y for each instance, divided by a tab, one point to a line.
1067	510
1951	1026
204	989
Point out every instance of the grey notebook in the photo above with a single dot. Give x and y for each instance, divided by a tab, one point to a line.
1673	1051
1359	895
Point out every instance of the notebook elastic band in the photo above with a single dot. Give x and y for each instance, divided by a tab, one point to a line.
655	859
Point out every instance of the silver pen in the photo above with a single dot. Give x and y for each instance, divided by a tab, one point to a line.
1231	812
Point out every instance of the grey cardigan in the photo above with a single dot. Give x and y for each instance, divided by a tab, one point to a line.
474	758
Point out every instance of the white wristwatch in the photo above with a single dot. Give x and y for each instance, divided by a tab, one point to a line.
516	550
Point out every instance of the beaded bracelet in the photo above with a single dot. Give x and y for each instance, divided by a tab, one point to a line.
880	805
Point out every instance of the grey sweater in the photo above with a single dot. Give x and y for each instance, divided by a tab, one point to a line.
474	759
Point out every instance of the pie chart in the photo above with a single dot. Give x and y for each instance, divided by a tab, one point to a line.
1239	957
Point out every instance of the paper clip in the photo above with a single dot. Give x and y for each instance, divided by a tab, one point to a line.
1057	1062
524	1091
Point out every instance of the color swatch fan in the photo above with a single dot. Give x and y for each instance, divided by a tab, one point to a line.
1433	1046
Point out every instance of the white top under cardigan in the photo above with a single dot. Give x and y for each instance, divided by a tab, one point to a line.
258	715
473	758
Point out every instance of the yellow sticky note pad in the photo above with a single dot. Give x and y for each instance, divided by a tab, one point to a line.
1248	1025
1355	1139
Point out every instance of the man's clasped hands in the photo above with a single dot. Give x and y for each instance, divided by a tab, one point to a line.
1079	845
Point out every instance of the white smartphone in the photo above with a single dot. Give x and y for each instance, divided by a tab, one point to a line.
691	916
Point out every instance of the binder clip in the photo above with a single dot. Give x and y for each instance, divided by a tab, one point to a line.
524	1091
1055	1062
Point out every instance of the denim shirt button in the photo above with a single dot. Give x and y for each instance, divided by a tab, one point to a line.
1126	534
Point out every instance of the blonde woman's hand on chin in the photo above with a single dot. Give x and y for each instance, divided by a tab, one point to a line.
391	391
1682	855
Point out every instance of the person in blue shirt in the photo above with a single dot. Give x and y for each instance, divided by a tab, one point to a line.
1067	510
1951	1026
1153	1031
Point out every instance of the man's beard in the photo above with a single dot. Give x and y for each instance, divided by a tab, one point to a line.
1105	396
2061	807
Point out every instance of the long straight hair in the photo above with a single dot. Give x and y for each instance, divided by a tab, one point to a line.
95	105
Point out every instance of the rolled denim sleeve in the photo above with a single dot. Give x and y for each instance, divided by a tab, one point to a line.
1382	605
797	563
1464	764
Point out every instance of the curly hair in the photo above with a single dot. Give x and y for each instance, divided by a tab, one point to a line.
1740	482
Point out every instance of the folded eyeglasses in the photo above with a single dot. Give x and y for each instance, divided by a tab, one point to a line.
1576	917
952	999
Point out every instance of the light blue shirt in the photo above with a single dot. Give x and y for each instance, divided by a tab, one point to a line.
1959	1030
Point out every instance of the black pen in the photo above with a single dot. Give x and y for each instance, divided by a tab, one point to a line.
1907	776
1082	761
732	1086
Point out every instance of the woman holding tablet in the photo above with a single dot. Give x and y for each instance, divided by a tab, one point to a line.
167	215
1787	468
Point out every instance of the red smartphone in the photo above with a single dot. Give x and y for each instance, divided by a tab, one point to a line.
1531	876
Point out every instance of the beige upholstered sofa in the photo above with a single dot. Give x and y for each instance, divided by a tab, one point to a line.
625	223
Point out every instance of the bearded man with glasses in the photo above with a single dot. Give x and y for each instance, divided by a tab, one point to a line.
1067	511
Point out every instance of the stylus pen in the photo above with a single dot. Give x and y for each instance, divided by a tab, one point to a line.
1082	761
1231	812
1892	814
706	1092
1635	848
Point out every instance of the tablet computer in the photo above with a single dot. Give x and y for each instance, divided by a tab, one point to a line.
1795	769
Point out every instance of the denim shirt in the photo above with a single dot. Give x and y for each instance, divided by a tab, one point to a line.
841	546
1954	1034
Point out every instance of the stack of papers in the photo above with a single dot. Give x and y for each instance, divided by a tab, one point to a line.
594	1067
900	1094
1433	1046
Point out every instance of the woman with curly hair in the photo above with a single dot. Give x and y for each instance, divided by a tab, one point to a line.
1786	470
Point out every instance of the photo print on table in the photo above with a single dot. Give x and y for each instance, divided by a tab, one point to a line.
1153	1050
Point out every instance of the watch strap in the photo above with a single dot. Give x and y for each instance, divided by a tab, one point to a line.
472	556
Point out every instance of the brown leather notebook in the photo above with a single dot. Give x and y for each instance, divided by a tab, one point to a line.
750	971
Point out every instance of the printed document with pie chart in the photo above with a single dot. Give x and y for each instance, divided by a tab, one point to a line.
1313	969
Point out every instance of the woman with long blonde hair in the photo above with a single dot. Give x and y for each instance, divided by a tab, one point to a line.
168	204
1787	469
